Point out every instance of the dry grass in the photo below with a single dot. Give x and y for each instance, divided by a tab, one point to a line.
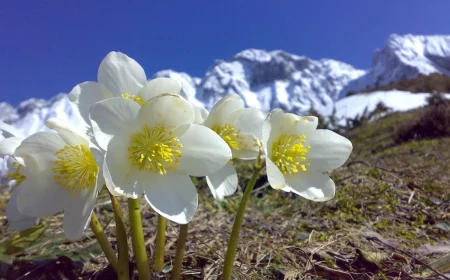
389	213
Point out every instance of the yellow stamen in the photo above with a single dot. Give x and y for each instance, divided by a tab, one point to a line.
231	137
135	98
15	174
75	169
288	153
154	149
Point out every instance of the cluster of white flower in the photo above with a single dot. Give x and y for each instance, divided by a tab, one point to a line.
145	138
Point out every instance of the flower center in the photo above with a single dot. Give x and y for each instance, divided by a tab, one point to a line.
288	153
231	137
155	149
15	174
135	98
75	169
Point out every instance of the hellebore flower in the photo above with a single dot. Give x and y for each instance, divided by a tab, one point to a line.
241	129
152	151
298	155
61	174
13	139
120	76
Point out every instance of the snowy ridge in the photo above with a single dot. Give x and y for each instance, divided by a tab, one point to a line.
30	115
278	79
352	106
405	57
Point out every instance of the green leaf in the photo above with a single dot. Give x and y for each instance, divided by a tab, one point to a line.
81	254
372	260
443	226
21	240
442	265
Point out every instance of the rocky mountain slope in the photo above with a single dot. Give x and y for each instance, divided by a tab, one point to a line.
276	79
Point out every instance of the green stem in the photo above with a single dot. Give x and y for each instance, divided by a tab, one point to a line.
103	241
232	244
160	242
181	242
137	239
123	269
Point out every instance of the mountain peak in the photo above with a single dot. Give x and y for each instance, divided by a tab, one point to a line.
405	57
275	79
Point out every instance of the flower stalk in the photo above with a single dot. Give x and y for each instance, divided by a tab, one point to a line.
160	242
123	267
137	238
103	241
232	243
181	244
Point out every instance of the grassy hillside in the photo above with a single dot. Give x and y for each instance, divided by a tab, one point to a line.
423	83
389	219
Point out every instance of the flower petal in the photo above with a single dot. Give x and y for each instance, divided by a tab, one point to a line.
288	123
221	113
112	116
86	94
204	152
306	125
251	122
159	86
275	116
16	220
69	134
248	149
109	182
266	129
38	150
172	195
99	157
119	175
201	114
9	131
166	110
268	134
223	182
10	162
311	185
9	145
77	213
121	74
274	175
329	150
39	195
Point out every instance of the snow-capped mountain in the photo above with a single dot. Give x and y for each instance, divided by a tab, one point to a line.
275	79
355	105
268	80
31	114
404	57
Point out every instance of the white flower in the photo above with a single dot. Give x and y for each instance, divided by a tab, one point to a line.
298	154
9	131
61	174
241	129
17	221
152	150
200	114
13	138
120	76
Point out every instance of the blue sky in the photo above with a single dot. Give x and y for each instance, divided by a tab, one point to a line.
47	47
